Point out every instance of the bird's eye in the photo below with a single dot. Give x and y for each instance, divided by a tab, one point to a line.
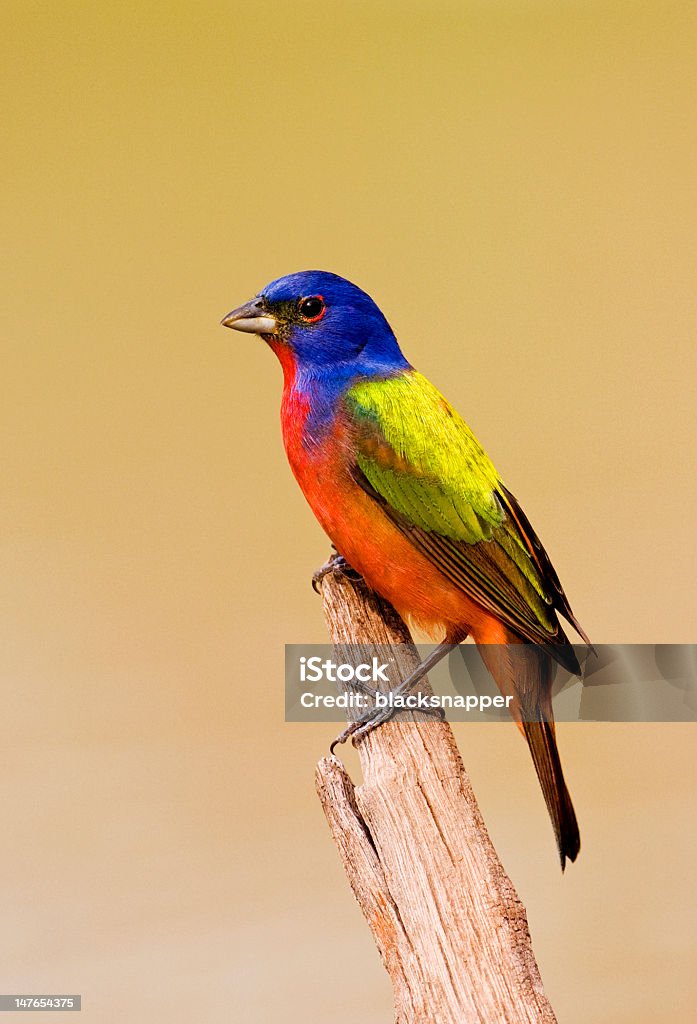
312	308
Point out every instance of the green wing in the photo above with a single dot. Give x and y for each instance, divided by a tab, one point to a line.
418	458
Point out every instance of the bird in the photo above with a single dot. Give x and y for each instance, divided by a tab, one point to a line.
412	503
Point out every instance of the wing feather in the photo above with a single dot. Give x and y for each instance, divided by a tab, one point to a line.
418	459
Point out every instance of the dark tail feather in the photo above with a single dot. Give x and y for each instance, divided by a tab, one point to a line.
545	756
525	671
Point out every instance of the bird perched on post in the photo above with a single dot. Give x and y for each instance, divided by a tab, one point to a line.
411	501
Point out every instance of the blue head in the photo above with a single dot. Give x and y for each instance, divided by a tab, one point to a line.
329	327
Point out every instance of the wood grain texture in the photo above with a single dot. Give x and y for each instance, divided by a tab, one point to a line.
450	928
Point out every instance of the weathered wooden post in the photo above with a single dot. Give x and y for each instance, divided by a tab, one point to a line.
449	926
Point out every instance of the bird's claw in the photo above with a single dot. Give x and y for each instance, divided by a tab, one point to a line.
336	564
374	717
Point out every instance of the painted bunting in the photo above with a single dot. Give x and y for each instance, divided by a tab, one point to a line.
411	501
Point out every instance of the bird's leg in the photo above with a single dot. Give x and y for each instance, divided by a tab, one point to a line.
335	563
374	717
369	691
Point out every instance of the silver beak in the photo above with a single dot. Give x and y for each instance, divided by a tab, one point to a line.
252	318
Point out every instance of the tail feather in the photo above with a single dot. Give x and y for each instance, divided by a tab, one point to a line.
524	671
545	755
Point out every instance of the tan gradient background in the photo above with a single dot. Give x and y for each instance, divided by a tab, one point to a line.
515	184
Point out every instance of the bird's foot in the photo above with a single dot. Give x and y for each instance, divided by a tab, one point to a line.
336	564
373	717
